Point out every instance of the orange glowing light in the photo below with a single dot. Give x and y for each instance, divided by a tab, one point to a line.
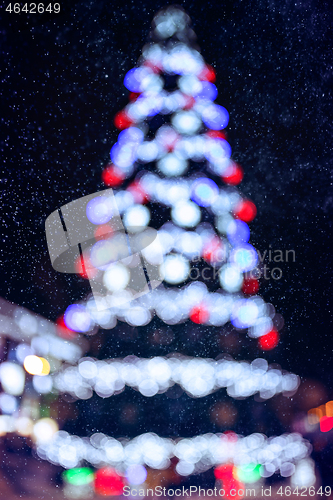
314	416
329	409
269	341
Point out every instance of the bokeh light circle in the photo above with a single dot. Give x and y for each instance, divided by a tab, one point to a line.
186	214
204	192
136	474
77	318
116	277
175	268
231	278
215	117
99	210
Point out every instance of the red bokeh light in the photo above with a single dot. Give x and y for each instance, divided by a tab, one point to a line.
152	66
232	489
87	270
224	472
234	175
245	210
122	120
189	101
108	482
269	341
326	424
62	329
216	134
170	141
138	193
112	176
250	286
103	232
208	73
199	314
134	95
213	251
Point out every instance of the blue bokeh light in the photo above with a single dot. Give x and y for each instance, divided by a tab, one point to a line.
244	314
131	134
208	91
238	232
123	155
215	117
204	192
77	318
245	257
132	80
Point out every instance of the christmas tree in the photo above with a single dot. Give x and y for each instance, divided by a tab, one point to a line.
166	251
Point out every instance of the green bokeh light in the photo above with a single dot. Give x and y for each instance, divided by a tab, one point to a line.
249	473
79	476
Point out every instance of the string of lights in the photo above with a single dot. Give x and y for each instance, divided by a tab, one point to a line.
195	455
197	377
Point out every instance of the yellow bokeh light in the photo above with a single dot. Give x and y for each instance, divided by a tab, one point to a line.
46	366
36	365
24	426
44	430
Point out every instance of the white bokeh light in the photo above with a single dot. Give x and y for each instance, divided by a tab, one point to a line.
175	268
186	214
12	378
186	122
231	278
136	216
116	277
172	165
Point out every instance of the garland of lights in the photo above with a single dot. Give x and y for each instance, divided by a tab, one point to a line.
193	302
197	377
195	455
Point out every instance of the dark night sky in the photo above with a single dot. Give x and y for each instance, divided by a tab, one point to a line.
62	85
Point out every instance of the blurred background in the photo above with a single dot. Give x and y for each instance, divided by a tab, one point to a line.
62	86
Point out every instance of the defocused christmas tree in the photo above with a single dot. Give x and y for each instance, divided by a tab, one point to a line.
166	250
